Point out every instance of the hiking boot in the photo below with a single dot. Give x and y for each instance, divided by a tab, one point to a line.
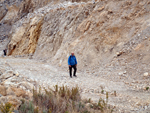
75	75
70	76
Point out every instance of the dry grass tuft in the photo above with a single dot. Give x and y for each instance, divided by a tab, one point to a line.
6	108
62	100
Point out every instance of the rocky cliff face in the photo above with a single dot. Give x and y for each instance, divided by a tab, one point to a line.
97	33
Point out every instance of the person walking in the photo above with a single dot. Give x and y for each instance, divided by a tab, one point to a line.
5	52
72	62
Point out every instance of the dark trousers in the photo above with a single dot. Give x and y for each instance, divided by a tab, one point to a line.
4	52
70	70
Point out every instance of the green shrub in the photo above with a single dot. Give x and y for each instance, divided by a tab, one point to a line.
28	107
147	88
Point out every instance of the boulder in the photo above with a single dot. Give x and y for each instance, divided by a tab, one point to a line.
19	92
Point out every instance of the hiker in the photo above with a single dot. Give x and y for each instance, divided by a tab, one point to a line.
72	62
5	52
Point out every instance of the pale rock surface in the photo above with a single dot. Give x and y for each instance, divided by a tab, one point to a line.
7	75
27	85
1	53
11	15
3	12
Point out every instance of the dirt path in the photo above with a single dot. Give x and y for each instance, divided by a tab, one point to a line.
127	99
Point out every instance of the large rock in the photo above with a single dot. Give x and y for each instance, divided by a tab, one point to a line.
19	92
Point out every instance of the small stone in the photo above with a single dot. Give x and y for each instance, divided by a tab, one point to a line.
16	73
120	73
100	9
119	53
138	104
126	83
124	72
145	107
146	74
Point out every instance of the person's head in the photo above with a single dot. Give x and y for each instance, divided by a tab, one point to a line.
72	54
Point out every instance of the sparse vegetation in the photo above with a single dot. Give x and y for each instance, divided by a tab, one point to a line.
147	88
61	100
115	93
6	108
28	107
102	89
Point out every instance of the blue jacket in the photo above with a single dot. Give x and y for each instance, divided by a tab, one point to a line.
72	60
